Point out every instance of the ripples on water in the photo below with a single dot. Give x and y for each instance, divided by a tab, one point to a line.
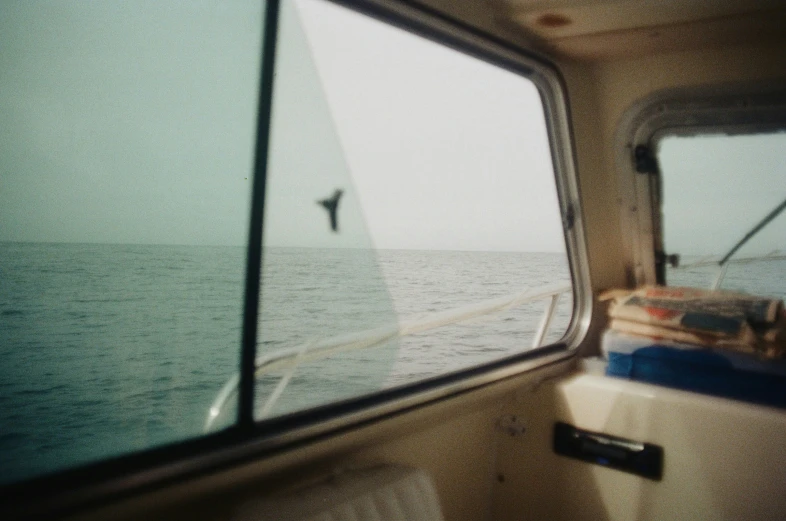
762	277
108	349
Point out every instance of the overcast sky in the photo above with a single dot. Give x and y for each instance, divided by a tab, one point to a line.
127	122
133	122
435	149
717	188
123	122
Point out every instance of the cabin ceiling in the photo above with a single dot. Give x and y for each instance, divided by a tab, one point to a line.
603	29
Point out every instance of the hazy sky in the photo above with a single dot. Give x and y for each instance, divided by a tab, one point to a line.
133	122
127	122
435	149
717	188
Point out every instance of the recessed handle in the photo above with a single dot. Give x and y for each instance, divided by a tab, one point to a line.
642	459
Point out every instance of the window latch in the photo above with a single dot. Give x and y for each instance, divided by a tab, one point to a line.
663	258
644	160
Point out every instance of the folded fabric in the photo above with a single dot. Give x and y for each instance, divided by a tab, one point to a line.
709	318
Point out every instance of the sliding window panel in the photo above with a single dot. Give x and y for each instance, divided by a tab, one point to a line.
127	135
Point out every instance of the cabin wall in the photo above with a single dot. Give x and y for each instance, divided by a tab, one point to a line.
622	82
453	439
597	182
723	459
599	94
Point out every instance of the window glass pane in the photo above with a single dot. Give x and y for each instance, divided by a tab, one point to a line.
716	188
126	143
448	210
319	284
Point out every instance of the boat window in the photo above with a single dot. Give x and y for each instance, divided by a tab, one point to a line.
412	224
718	190
126	145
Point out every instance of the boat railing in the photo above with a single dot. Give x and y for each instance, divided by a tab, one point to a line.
289	359
714	260
723	262
723	266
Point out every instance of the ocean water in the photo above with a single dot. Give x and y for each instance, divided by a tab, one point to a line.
762	277
110	349
315	294
107	349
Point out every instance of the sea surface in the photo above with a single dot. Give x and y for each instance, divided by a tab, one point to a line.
110	349
757	277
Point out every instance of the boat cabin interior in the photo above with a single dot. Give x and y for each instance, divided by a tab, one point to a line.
635	106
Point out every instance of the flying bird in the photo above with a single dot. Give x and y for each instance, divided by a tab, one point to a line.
331	205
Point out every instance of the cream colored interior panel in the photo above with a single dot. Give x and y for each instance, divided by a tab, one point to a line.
648	40
453	440
600	93
624	81
723	459
381	493
596	182
604	17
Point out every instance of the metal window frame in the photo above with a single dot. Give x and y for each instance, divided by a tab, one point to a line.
245	409
732	108
106	481
436	27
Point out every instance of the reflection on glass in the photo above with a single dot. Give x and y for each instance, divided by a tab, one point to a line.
126	139
318	283
716	188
